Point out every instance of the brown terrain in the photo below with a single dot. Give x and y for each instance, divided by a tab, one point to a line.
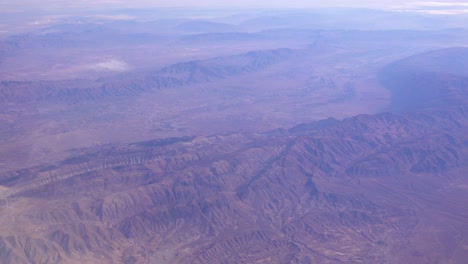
333	150
366	189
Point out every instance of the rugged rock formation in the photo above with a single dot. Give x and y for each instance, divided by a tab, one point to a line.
383	188
281	197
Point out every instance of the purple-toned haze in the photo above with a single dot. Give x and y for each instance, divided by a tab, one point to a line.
8	6
233	132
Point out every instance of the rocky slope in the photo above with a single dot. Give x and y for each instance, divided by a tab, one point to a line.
278	197
383	188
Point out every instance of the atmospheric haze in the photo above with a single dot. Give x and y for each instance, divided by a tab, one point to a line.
215	132
67	6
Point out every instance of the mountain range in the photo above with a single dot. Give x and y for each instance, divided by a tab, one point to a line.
388	187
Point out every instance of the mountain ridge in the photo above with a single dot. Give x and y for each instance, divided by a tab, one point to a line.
215	187
173	76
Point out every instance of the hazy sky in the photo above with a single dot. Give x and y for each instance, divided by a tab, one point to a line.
18	5
27	4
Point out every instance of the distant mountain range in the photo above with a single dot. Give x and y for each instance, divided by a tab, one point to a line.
437	78
134	84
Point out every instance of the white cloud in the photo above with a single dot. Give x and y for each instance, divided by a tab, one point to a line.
437	4
112	17
115	65
444	12
433	7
